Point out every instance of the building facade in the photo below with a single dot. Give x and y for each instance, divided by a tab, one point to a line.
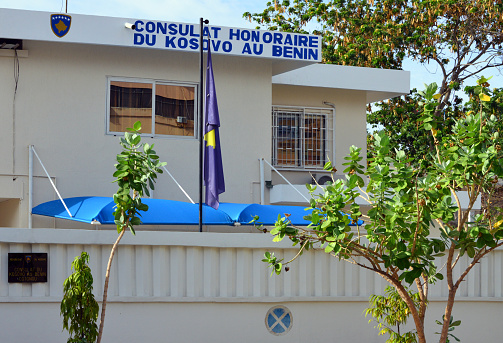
79	81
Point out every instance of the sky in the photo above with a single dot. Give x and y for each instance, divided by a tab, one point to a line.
219	12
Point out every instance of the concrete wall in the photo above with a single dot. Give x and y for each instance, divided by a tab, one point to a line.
349	123
60	108
184	287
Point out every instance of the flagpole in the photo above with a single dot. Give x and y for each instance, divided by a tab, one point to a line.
201	119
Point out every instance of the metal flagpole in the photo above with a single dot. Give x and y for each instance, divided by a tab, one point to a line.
201	119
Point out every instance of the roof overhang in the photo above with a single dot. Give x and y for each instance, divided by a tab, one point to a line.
378	84
284	50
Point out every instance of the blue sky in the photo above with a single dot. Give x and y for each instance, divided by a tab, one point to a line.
219	12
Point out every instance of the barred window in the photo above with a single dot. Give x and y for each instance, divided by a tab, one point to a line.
163	108
302	137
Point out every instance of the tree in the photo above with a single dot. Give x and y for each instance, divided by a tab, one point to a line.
390	310
136	170
405	202
78	307
460	38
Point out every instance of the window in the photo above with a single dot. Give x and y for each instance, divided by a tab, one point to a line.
302	137
163	108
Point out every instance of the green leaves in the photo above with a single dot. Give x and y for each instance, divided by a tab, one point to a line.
273	262
390	312
79	307
452	325
136	171
406	200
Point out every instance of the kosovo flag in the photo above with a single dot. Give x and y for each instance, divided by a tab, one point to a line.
213	169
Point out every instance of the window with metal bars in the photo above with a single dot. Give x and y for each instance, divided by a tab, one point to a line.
302	138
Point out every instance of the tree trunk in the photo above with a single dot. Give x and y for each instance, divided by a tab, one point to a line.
447	315
410	303
105	288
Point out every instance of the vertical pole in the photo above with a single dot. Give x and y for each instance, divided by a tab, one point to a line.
201	123
262	182
30	185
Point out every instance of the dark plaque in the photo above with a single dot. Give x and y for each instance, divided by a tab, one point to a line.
28	267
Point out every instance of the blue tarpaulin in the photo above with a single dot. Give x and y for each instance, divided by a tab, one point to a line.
171	212
160	211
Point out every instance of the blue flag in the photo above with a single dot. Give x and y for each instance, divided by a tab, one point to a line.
213	169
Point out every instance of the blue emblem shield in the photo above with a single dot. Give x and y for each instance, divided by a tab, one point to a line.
60	24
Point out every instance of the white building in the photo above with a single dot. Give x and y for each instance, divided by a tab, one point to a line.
72	86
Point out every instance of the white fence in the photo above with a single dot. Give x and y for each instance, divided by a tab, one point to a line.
177	275
213	267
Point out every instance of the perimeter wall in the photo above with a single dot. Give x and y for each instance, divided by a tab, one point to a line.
186	287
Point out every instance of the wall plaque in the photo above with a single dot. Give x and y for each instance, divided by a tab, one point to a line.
27	267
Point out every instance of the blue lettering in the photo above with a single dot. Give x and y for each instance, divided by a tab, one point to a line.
138	39
302	41
297	53
150	27
194	43
192	34
313	54
233	35
246	49
259	50
255	36
287	51
147	40
172	29
267	37
215	45
215	31
206	31
278	37
183	43
161	28
276	50
313	41
227	46
138	25
170	42
245	35
288	40
180	30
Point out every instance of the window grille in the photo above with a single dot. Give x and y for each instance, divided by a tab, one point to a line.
302	137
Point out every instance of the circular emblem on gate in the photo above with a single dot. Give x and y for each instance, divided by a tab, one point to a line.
278	320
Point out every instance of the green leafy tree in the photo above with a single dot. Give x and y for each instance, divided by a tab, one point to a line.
136	170
391	311
405	202
458	38
78	307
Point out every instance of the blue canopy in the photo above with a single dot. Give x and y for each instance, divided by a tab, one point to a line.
171	212
268	214
160	211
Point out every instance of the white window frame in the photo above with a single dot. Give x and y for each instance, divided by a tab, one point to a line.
154	82
329	140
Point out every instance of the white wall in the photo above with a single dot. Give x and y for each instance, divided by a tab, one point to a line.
61	109
183	287
350	121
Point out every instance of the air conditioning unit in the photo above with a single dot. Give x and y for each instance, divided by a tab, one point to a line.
324	179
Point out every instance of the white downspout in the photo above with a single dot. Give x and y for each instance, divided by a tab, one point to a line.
262	182
30	185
